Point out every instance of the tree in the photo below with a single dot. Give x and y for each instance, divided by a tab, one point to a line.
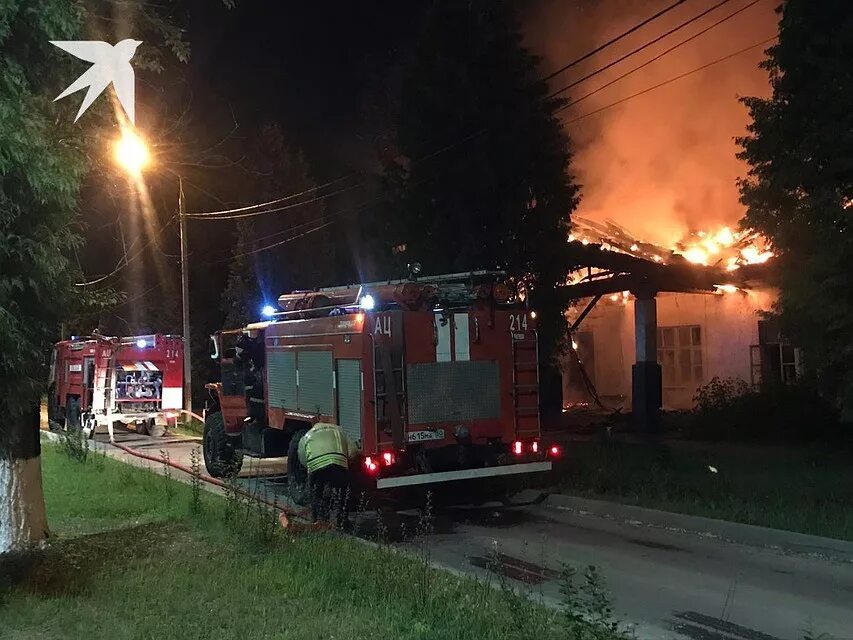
242	298
40	173
44	157
280	251
799	189
482	176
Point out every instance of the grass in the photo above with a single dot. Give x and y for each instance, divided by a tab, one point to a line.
133	556
809	490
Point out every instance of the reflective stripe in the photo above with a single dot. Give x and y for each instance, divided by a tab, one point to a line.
326	460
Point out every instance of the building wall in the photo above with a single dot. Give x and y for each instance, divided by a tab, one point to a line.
728	325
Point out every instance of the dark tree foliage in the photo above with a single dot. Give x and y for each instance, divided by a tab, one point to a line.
40	171
799	190
44	158
480	173
242	297
292	247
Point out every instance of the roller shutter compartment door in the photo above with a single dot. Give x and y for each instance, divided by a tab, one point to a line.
281	379
349	397
316	377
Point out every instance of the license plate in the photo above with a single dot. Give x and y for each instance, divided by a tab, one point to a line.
421	436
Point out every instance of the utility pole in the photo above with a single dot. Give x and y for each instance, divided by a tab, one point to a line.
185	296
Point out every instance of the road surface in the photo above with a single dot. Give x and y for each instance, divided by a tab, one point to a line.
679	581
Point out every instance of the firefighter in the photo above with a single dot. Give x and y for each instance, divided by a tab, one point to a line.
325	451
250	356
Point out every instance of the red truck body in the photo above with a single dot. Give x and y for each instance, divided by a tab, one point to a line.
98	380
431	387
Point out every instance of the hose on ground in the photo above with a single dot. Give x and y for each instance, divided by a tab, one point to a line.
284	512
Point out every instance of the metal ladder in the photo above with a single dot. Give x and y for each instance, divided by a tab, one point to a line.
525	386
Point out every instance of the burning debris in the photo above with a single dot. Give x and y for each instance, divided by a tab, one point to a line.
722	247
721	250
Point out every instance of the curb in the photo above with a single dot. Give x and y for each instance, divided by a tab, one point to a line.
789	542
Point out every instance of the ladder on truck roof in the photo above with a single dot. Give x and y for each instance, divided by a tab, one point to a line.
450	288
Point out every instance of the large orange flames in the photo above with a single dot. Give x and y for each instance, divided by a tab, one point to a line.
719	247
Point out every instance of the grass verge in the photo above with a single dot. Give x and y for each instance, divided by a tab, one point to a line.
809	490
135	555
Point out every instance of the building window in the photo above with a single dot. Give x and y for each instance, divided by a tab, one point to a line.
775	363
680	356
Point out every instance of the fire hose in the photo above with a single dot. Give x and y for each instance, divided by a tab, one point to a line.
283	512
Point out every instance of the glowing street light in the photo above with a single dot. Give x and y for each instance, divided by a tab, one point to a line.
131	152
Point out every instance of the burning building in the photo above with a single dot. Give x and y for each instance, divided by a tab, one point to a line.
650	324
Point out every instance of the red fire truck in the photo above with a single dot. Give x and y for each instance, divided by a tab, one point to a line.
435	378
99	380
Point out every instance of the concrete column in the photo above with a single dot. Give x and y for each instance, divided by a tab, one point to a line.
646	372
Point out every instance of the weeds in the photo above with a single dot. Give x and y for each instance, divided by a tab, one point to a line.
587	607
75	444
167	484
195	481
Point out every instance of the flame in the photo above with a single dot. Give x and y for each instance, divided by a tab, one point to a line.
696	255
726	288
753	255
721	247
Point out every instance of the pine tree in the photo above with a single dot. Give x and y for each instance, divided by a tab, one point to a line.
799	190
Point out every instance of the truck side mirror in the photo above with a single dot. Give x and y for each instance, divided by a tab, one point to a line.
214	347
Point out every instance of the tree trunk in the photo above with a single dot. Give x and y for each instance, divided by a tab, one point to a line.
23	521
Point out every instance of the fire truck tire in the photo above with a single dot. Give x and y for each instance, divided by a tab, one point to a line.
221	458
297	474
155	430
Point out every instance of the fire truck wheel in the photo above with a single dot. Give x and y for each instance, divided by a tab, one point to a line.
156	430
220	457
297	475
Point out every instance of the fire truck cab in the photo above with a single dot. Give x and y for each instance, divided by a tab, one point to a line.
99	380
436	379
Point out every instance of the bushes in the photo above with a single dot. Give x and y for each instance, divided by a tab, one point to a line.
728	409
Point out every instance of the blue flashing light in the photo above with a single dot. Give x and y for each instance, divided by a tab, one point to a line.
268	311
367	302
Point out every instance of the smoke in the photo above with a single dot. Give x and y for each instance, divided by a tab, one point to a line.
664	163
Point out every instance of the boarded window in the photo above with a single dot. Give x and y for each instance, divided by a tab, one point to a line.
680	356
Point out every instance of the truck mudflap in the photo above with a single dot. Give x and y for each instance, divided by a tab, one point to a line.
463	474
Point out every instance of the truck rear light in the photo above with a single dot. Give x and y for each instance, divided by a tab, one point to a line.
388	458
534	446
554	451
370	465
517	447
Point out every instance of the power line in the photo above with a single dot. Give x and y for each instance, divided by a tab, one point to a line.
225	213
649	44
670	81
209	218
655	59
324	221
271	202
615	40
127	260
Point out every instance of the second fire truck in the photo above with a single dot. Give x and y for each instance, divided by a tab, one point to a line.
435	378
98	380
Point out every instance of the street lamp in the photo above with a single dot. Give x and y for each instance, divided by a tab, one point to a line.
131	152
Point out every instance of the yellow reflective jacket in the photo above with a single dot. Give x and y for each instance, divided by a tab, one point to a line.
326	444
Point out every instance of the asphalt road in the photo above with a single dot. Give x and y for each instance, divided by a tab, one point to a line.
666	581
